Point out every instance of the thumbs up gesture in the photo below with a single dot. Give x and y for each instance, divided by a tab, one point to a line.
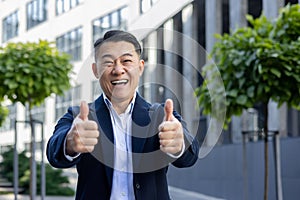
170	131
83	136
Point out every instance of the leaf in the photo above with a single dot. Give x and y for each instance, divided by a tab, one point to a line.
232	93
276	72
250	91
242	99
259	62
23	71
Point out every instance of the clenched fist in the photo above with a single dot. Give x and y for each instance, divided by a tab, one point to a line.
83	136
170	131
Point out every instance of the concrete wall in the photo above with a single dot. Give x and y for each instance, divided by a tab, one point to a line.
221	173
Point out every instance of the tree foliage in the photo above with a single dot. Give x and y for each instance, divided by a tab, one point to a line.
56	182
30	72
3	113
257	63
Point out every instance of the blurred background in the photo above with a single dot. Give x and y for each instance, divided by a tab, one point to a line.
177	37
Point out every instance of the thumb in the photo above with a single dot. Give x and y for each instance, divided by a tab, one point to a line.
168	110
84	111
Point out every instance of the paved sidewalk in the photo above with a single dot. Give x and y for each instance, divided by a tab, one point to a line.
176	194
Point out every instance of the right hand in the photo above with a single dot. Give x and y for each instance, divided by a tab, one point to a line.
83	136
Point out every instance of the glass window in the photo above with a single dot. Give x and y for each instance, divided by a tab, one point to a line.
123	18
71	43
70	98
10	26
145	5
66	5
36	12
113	20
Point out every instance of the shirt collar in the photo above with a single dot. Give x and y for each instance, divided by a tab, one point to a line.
128	109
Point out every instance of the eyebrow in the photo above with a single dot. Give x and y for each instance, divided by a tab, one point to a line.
112	57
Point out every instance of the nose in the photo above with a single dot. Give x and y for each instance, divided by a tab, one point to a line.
118	69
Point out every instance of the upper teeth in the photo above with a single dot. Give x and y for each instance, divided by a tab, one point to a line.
119	82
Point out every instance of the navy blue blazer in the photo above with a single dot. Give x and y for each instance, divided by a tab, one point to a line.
95	169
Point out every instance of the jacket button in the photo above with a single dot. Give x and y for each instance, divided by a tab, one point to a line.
137	186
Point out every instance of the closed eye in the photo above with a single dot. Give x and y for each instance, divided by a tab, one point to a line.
108	62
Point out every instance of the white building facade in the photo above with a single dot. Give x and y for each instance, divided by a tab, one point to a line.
175	35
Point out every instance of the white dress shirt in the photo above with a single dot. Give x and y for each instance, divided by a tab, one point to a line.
122	183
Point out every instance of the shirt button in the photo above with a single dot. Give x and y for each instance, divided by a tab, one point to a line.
123	194
137	186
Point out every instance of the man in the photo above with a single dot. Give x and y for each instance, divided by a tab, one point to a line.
121	144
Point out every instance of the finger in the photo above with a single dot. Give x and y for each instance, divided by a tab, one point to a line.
169	126
84	111
166	142
171	150
90	141
80	143
90	125
168	110
89	134
167	135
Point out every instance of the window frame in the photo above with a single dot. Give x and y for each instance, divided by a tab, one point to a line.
10	29
36	9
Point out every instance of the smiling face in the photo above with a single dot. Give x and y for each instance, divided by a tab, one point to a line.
118	68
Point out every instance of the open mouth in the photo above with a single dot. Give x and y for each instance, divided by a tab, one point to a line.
119	82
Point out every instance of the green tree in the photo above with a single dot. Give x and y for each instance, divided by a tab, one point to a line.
257	64
56	182
3	114
30	72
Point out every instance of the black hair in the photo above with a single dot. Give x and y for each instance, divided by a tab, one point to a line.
117	36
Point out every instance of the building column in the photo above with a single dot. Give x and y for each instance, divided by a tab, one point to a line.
172	76
189	63
294	127
150	79
237	18
277	117
271	8
237	13
158	89
213	25
213	22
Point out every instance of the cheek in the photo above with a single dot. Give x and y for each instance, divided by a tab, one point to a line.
136	73
102	72
104	80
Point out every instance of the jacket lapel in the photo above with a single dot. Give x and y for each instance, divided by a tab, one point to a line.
140	123
105	147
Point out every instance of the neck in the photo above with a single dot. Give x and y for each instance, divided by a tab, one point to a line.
120	106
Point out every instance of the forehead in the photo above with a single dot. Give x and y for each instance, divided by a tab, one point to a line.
116	49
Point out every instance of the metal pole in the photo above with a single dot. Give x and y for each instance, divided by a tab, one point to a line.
43	174
277	160
245	169
16	164
33	165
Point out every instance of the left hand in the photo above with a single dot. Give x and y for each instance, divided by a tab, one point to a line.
170	131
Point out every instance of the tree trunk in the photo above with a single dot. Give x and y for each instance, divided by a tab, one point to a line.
266	147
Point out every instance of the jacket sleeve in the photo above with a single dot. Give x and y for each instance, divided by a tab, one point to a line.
55	144
190	155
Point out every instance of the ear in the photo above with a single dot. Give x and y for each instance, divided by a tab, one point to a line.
141	67
95	70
